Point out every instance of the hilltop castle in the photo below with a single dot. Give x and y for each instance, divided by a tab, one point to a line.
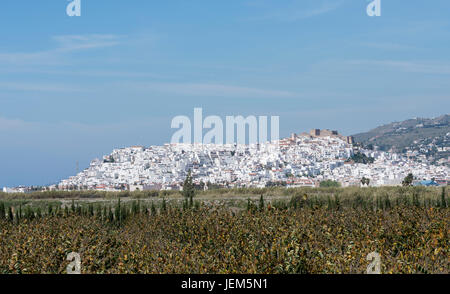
318	133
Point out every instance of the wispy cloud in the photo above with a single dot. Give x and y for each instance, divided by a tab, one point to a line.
88	73
39	87
388	46
211	90
324	8
64	45
30	58
80	42
298	11
429	67
8	124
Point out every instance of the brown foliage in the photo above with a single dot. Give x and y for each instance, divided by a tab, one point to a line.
213	240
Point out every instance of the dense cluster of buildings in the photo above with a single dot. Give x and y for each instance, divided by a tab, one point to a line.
302	160
435	149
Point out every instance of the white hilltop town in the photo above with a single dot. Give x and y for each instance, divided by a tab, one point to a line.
304	159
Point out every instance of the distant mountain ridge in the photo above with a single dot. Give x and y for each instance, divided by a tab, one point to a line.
418	136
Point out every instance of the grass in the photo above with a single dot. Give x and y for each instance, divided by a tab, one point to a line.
241	193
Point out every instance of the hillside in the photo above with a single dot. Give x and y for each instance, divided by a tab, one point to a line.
422	137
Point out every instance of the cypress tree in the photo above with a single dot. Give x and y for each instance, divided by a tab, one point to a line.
118	212
443	202
191	201
261	203
188	187
91	210
26	213
416	199
329	202
110	215
58	211
387	202
29	213
32	213
292	203
337	203
19	213
153	209
124	213
2	210
98	212
134	208
10	214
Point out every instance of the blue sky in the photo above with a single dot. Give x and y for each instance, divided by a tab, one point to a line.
74	88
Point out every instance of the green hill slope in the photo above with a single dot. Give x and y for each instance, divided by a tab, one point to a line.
421	136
